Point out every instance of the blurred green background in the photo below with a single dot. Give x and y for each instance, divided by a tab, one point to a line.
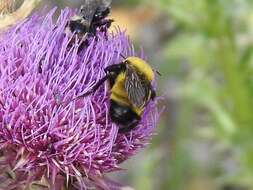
203	49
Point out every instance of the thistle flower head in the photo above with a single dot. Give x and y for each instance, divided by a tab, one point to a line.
44	135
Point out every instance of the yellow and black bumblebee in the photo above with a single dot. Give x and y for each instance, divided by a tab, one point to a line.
130	91
91	16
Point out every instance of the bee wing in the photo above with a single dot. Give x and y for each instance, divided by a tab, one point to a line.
88	9
103	8
105	3
138	90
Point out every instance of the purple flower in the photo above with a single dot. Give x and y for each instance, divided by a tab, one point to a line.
44	135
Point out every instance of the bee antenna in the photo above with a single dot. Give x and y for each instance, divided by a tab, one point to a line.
158	73
121	55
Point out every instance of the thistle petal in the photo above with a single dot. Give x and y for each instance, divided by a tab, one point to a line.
41	128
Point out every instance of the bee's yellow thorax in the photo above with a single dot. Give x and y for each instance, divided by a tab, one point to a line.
119	94
141	66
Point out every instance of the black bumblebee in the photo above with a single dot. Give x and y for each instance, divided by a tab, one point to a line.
92	15
130	91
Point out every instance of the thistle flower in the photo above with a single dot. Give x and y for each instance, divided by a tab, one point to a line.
46	138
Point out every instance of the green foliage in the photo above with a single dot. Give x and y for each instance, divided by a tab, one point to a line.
214	42
128	3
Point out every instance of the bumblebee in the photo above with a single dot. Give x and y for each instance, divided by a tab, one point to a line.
90	17
130	91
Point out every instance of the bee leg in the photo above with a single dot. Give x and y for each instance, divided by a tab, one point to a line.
113	71
107	23
153	94
117	68
110	72
129	127
104	27
94	88
93	30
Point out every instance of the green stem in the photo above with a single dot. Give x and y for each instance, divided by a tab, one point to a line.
235	82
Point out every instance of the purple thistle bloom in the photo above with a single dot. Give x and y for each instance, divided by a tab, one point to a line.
44	135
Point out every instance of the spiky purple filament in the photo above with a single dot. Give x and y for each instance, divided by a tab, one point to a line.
41	128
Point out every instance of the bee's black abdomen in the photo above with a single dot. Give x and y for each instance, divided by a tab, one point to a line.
122	114
77	27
